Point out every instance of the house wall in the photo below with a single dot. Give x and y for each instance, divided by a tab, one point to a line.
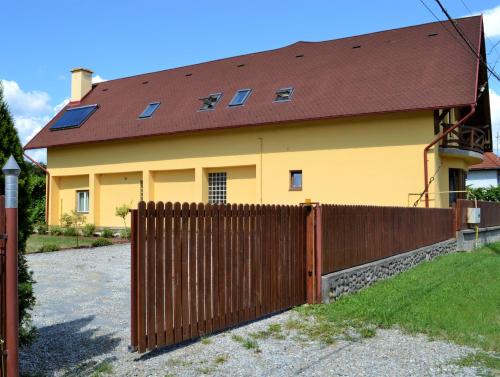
361	160
482	178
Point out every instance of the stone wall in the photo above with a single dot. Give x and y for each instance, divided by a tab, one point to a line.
353	279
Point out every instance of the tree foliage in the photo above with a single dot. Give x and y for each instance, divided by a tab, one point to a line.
490	194
11	145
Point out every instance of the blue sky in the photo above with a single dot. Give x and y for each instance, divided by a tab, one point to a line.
44	40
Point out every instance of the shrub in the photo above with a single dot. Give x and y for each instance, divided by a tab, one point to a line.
49	247
490	194
69	231
125	233
101	242
88	230
56	230
42	228
107	233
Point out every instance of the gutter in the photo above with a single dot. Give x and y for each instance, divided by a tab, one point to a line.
433	142
47	185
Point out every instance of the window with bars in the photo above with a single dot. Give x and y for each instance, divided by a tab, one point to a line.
217	183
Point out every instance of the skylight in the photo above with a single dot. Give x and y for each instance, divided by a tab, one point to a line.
240	97
284	94
74	117
209	103
149	110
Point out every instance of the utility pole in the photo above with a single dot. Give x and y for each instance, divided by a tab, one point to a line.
11	171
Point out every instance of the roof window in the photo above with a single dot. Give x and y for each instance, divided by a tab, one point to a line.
209	103
240	97
74	117
283	95
149	110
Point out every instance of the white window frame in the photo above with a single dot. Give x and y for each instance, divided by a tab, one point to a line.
86	201
217	187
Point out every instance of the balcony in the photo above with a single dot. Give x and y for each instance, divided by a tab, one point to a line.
465	141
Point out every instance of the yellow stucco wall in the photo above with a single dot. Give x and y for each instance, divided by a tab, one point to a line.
66	198
361	160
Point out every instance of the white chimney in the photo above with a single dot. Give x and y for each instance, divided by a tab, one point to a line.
81	83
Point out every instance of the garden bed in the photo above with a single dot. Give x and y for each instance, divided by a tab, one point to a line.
44	243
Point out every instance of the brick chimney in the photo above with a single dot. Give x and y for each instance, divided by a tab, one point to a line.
81	83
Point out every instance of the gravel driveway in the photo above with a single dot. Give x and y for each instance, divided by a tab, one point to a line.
82	315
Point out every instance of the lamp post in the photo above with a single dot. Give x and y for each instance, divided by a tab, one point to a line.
11	171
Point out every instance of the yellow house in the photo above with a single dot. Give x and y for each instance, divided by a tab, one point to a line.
341	121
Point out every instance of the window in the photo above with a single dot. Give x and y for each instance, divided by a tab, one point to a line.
74	117
210	102
283	95
217	183
240	97
149	110
295	180
456	183
82	201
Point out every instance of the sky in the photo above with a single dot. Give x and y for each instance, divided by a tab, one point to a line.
43	40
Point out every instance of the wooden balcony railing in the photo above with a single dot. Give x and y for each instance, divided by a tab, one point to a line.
469	138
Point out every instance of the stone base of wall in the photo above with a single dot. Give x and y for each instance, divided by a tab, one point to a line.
353	279
467	238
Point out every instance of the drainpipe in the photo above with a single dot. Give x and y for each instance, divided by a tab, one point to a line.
433	142
47	195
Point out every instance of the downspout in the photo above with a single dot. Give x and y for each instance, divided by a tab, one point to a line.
433	142
47	190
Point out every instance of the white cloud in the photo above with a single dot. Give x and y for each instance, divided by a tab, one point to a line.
96	79
495	116
31	110
492	22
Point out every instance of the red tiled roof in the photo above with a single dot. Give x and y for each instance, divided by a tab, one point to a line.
490	162
395	70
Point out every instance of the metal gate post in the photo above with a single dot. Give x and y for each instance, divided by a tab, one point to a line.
11	171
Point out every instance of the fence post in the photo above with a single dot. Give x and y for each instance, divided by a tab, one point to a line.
318	249
11	171
133	280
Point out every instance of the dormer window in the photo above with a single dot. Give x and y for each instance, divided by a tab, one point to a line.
209	103
240	97
149	110
283	95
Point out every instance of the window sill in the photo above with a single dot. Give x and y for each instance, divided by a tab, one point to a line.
295	189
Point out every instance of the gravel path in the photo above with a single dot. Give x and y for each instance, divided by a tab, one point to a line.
82	315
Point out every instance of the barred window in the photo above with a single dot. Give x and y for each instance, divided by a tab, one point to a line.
217	188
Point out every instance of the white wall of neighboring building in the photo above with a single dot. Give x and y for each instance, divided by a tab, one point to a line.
482	178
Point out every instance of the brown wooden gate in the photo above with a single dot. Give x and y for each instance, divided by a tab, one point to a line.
3	245
198	269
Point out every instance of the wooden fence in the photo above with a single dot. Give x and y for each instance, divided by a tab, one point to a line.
2	285
490	213
355	235
197	269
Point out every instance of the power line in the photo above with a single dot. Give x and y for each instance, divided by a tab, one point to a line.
466	40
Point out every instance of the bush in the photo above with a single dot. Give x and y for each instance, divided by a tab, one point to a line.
490	194
56	231
101	242
107	233
125	233
42	228
48	248
88	230
70	231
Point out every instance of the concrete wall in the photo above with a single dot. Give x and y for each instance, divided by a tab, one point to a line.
482	178
467	238
362	160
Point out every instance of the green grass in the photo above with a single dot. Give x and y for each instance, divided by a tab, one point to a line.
455	297
248	343
102	369
36	241
481	360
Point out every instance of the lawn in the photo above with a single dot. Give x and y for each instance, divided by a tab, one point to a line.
455	297
36	241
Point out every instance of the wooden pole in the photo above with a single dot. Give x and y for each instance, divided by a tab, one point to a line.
133	280
11	171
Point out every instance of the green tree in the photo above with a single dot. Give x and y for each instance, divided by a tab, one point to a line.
10	145
36	191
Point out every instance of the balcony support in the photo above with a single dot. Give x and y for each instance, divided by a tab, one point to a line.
439	137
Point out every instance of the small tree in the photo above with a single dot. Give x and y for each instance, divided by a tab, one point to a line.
73	220
123	211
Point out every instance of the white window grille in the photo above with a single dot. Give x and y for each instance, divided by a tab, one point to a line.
217	183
